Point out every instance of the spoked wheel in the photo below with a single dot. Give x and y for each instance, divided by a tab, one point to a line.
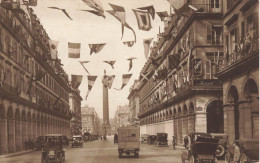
220	151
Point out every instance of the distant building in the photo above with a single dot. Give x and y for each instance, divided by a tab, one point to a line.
75	108
122	116
90	120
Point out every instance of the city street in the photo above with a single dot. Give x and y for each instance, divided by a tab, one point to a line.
105	151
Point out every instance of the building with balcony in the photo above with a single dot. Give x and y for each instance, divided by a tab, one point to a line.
239	69
75	108
90	120
34	91
122	116
178	89
133	98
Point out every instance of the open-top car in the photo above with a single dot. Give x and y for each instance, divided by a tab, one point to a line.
200	147
77	141
161	139
53	149
249	151
151	139
223	141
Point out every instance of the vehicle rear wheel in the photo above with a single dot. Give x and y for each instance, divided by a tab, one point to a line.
220	151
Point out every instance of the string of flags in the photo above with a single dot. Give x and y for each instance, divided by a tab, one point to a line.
97	6
143	20
111	63
125	80
95	48
63	10
131	62
91	82
74	50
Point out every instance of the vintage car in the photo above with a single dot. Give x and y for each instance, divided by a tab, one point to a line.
161	140
77	141
200	147
249	151
53	149
151	139
223	141
144	138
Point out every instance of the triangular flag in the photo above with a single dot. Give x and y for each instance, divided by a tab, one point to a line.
108	80
95	4
63	10
125	80
82	64
162	15
53	49
91	82
149	9
119	13
143	20
147	43
76	81
111	63
129	43
131	63
74	50
98	13
96	47
181	8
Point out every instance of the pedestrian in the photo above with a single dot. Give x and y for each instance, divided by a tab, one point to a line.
101	137
236	152
173	142
26	145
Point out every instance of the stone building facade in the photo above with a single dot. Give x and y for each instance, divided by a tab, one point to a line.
29	109
75	108
239	70
90	120
122	116
133	98
178	88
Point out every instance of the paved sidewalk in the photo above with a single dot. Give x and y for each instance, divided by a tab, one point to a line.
16	153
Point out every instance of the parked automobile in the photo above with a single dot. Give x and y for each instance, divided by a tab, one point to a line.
144	138
222	147
151	139
249	151
77	141
162	139
200	147
53	149
128	141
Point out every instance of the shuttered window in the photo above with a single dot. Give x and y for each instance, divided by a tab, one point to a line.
208	69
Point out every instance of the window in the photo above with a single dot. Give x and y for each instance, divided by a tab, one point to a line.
233	40
208	69
216	34
214	3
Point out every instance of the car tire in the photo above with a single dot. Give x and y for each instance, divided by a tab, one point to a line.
222	151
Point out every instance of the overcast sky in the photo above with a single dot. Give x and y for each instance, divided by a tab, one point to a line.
87	28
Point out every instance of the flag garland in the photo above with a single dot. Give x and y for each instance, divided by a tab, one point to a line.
96	47
91	82
76	81
119	13
143	20
125	80
82	64
74	50
150	10
147	43
63	10
98	13
97	5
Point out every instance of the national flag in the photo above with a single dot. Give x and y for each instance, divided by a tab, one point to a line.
76	81
119	13
125	80
91	82
53	49
147	43
143	20
30	2
162	15
131	62
149	9
95	4
98	13
108	80
96	47
111	63
129	43
63	10
74	50
82	64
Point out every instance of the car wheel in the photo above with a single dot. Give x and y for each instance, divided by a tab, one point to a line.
243	158
220	151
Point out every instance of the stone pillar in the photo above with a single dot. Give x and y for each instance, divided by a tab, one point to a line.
179	131
245	120
191	123
106	125
201	122
3	136
230	122
185	126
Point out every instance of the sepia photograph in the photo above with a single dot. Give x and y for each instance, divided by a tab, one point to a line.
129	81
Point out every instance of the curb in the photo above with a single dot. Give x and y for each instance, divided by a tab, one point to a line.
16	153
